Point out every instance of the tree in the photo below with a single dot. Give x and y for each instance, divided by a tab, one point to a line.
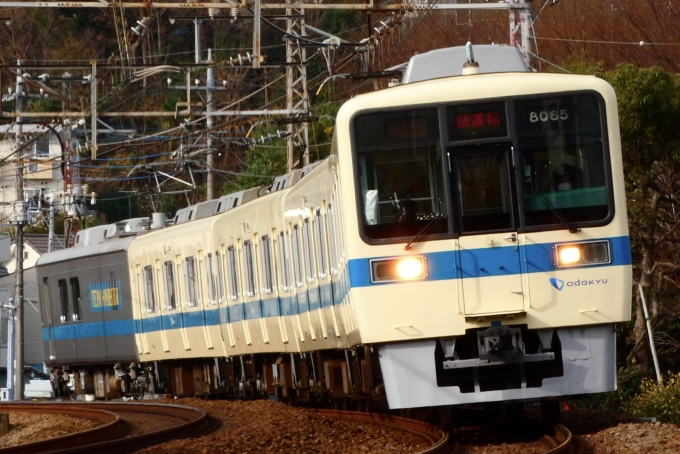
649	111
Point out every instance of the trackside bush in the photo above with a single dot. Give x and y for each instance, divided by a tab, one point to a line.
660	401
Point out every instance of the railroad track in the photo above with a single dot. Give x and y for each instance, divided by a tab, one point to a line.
437	438
119	430
561	441
524	434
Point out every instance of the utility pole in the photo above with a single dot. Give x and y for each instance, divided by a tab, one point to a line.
210	157
525	10
209	122
10	348
21	218
297	96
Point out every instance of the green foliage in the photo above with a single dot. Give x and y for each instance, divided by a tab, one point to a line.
337	21
577	64
43	225
169	204
649	112
117	206
660	401
629	383
270	159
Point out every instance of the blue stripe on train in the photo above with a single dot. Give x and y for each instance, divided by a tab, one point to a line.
533	258
442	265
84	330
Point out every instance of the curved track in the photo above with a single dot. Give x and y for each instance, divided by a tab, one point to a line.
115	434
560	441
118	431
437	438
523	434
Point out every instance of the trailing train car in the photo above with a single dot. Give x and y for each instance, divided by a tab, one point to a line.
465	242
87	316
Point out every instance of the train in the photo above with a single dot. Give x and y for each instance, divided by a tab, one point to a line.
465	242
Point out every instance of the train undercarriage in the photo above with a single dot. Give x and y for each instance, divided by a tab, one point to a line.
497	364
346	378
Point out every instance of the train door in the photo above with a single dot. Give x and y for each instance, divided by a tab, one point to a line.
48	321
489	258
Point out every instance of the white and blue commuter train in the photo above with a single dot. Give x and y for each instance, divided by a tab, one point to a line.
466	241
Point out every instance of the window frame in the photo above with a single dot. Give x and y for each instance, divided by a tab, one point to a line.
149	290
77	315
267	269
297	258
286	284
62	285
191	278
169	283
233	271
322	253
249	265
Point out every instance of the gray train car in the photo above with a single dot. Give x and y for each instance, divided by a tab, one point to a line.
87	322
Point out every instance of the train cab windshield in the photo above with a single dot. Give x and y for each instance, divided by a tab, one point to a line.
527	164
563	167
400	162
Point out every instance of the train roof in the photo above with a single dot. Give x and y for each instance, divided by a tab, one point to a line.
112	245
449	62
233	200
474	88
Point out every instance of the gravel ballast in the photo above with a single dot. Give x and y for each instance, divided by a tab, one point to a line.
271	427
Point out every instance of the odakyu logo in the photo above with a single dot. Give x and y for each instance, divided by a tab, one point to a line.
559	284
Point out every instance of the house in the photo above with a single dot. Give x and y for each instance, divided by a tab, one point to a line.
40	163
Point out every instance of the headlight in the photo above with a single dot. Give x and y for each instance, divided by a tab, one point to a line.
398	269
582	254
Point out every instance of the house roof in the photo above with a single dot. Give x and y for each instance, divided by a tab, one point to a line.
40	242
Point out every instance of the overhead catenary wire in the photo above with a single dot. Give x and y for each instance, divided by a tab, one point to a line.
130	142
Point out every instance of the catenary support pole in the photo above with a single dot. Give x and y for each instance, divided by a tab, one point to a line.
659	379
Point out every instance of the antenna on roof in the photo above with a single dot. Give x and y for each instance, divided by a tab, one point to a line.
470	66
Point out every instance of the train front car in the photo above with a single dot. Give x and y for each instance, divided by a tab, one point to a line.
490	259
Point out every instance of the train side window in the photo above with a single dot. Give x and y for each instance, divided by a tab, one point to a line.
321	245
170	300
249	264
63	296
75	294
308	250
212	280
267	279
46	293
192	281
285	263
150	299
220	277
233	273
297	258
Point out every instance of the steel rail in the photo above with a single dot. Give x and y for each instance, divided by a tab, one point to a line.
432	434
195	420
112	425
563	438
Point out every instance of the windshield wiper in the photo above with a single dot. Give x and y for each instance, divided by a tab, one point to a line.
428	226
559	215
